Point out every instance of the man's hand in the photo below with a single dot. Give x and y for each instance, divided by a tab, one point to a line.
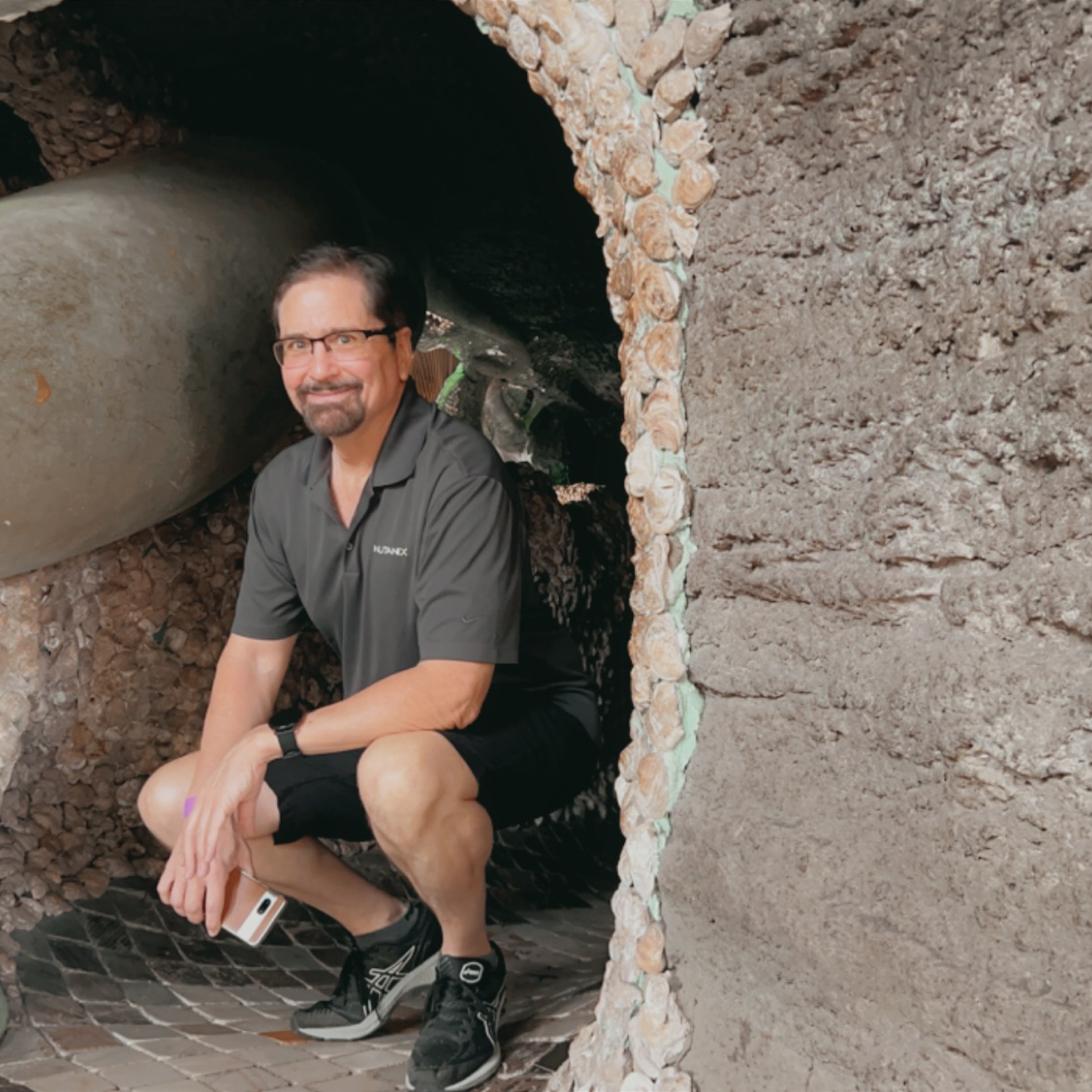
228	797
201	899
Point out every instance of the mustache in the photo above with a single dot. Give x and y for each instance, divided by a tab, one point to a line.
318	388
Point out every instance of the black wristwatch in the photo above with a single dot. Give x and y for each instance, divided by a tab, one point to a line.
284	727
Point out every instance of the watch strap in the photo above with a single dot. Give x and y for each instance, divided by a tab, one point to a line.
284	727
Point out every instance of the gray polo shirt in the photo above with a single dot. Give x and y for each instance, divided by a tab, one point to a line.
432	566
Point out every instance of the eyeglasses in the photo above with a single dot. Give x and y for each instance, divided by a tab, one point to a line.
342	345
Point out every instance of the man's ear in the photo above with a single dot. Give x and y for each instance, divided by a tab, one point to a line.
403	347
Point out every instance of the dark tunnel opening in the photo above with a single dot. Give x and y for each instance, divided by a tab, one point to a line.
439	129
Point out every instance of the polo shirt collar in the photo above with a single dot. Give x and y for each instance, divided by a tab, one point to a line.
397	454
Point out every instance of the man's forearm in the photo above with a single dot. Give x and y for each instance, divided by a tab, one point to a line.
243	694
435	694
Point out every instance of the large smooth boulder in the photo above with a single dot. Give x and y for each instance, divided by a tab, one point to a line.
135	337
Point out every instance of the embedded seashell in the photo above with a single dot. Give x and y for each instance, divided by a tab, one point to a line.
661	647
685	139
671	1080
706	35
610	95
620	279
643	850
658	290
617	306
498	37
603	10
650	950
628	762
633	21
684	230
652	226
629	813
631	416
654	783
555	60
641	466
637	373
653	576
694	183
430	369
667	499
581	32
658	52
663	347
579	93
659	1034
637	1082
543	86
638	520
664	720
601	146
494	12
635	168
672	93
640	685
523	43
662	416
615	248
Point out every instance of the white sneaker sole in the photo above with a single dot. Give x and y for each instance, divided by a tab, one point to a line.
419	976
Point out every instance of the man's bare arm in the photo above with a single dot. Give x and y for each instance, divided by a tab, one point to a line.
249	674
435	694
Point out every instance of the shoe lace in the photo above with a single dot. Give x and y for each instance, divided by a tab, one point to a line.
447	1004
352	981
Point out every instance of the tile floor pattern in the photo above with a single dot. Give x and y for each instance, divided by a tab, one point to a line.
121	993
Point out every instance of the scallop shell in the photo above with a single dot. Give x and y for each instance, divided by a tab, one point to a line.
494	12
523	44
650	950
653	578
667	499
684	229
641	467
635	168
610	95
685	139
638	374
693	184
631	416
661	648
662	415
638	520
620	279
652	226
664	721
555	60
640	685
672	93
654	785
658	290
663	347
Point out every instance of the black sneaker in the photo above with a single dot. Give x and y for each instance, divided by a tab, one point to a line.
373	979
458	1047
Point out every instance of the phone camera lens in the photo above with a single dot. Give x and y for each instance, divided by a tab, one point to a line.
264	905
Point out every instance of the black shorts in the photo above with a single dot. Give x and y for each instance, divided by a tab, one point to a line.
527	762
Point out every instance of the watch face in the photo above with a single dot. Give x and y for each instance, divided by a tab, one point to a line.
286	718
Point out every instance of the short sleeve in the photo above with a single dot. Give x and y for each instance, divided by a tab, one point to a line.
268	606
468	575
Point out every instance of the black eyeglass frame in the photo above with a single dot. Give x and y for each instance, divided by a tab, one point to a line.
381	331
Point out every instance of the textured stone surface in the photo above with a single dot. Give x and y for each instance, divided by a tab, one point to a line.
880	870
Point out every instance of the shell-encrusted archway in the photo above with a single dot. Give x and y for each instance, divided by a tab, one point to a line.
622	77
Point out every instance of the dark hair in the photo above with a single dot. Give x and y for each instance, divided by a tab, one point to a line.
395	287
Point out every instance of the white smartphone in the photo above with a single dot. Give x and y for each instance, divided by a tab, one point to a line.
250	908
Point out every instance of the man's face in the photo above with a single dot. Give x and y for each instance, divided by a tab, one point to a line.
337	397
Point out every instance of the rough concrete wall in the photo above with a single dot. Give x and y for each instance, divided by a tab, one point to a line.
880	872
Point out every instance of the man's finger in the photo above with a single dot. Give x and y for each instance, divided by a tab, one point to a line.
195	901
214	898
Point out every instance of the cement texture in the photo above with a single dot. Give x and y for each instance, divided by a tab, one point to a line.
134	339
879	875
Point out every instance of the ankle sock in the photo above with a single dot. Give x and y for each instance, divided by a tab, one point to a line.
397	930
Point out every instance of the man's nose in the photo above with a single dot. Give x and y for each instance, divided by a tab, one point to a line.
322	360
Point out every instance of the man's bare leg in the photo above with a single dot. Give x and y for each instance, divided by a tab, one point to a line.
420	797
304	870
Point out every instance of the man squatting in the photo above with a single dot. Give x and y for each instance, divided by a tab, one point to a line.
396	531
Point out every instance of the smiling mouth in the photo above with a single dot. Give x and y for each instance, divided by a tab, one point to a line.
329	393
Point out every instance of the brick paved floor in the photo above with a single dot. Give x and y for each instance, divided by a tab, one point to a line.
121	993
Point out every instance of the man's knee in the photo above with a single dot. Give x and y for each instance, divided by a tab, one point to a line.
162	797
406	780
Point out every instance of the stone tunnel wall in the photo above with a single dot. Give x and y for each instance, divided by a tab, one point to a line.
880	873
